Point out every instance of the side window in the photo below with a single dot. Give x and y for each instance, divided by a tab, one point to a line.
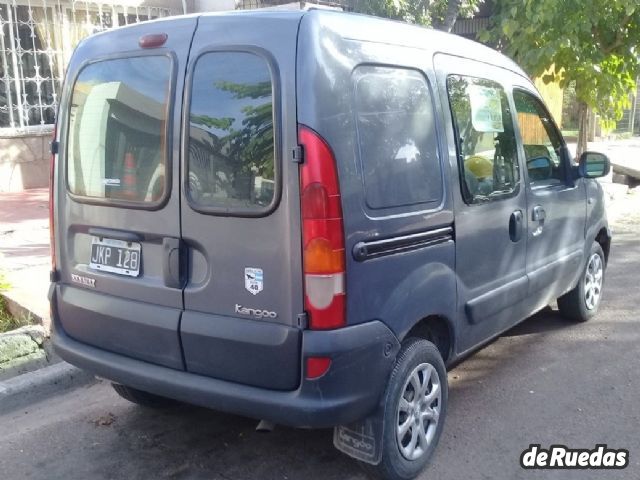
486	140
231	161
397	138
541	141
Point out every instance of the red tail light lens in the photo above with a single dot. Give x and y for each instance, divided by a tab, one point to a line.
317	366
52	175
322	234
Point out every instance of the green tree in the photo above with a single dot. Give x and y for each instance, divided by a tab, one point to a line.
440	14
592	44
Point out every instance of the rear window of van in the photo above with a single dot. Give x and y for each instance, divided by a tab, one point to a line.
397	138
116	144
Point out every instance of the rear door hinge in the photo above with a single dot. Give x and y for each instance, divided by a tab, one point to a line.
54	147
303	320
298	154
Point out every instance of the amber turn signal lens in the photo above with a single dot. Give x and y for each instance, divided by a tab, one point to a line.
320	258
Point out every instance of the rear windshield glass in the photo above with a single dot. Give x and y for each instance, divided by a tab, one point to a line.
231	136
117	125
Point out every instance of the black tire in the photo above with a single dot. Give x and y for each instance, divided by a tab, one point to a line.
574	304
144	399
394	465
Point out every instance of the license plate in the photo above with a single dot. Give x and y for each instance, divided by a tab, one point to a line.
115	256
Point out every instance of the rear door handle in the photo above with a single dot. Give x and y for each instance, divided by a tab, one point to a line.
173	268
515	226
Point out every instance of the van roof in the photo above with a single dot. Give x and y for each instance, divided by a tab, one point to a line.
381	30
368	28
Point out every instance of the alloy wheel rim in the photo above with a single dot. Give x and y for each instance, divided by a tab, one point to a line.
418	411
593	281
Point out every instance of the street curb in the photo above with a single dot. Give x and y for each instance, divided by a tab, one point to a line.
17	309
23	390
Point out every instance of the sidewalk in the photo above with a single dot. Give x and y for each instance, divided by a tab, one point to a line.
24	249
624	154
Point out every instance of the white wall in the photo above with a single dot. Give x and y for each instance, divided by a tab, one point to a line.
214	5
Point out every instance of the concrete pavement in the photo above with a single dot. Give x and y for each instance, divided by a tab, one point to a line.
24	249
545	381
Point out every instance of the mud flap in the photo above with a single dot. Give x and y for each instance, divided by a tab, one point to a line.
362	440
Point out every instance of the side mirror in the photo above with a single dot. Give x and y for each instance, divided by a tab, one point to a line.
593	165
539	168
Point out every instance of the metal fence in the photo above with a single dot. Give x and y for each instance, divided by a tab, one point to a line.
251	4
37	39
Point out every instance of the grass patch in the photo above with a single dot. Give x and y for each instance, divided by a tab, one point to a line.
4	284
8	322
570	133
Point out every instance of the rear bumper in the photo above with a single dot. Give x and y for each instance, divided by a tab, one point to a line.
362	358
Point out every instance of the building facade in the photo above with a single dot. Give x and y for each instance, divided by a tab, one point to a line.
37	39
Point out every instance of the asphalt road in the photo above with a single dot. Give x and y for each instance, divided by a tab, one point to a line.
546	381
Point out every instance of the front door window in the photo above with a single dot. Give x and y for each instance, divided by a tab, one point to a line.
543	147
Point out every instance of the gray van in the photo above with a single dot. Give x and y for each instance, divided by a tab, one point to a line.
304	217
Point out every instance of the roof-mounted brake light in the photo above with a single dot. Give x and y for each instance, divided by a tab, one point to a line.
153	40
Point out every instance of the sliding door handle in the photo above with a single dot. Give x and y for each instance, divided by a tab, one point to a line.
538	214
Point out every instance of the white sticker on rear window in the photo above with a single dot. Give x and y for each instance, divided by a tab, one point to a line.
486	109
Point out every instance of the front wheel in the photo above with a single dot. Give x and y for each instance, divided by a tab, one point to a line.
415	407
582	303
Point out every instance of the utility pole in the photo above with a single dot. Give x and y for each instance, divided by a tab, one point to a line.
634	107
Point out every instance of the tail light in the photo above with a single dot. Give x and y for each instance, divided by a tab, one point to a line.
52	174
322	234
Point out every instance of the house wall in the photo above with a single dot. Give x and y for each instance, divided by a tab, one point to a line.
24	161
553	96
214	5
58	26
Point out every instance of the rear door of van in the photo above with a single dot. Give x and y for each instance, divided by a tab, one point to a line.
117	197
240	201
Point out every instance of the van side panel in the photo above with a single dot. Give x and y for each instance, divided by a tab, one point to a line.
400	259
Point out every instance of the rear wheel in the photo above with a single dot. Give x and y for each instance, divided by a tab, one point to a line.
415	408
582	303
142	398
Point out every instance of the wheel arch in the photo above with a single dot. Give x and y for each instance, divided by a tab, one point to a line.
439	330
604	239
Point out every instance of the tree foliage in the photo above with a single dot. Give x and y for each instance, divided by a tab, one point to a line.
440	14
592	44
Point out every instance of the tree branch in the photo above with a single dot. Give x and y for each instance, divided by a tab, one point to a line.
619	40
450	17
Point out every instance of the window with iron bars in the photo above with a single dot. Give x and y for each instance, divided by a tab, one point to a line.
37	39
